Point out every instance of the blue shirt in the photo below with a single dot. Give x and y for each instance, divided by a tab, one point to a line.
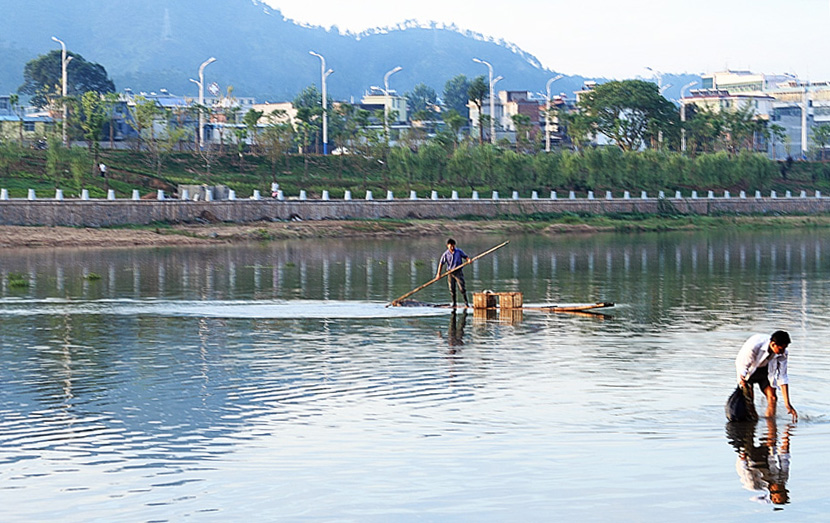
452	259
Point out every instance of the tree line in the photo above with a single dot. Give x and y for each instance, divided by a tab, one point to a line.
649	145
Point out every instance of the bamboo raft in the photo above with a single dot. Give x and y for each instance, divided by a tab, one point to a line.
506	303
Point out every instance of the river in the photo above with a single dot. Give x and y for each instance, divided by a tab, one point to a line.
270	382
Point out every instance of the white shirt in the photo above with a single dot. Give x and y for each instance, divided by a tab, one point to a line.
755	353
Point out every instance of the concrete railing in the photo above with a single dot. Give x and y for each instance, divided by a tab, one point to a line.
59	210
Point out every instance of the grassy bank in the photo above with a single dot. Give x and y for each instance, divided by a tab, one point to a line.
483	169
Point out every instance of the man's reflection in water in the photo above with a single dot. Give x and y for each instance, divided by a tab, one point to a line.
763	468
455	334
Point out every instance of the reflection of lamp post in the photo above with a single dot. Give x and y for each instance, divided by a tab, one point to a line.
386	101
64	62
323	75
201	84
492	100
547	112
683	116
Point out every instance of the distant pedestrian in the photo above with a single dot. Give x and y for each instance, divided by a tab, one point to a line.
103	170
452	258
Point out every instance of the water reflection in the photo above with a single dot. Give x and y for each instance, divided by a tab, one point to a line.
455	332
763	468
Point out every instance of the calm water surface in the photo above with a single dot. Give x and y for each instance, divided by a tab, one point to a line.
271	383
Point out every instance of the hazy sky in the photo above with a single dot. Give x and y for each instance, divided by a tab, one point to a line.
617	38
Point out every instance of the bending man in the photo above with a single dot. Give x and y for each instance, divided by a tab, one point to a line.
763	360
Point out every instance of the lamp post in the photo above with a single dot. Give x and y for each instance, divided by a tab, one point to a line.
683	116
323	75
492	100
660	132
64	62
492	108
547	112
201	84
386	101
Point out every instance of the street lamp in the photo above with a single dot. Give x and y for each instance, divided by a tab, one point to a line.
323	75
683	116
547	111
386	101
492	100
201	83
492	107
64	62
660	132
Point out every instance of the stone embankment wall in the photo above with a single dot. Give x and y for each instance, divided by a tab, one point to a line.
101	213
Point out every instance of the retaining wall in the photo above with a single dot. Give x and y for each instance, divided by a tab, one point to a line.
98	213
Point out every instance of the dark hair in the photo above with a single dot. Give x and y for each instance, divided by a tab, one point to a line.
450	242
780	338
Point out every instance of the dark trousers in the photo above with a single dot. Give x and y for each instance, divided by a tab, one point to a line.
457	278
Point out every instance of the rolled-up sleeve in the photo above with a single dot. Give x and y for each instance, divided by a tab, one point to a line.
778	371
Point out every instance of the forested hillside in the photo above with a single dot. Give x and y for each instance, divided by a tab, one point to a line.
156	44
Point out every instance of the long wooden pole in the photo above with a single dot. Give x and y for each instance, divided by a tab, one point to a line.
396	302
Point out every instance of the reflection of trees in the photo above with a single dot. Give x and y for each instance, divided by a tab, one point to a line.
763	467
693	277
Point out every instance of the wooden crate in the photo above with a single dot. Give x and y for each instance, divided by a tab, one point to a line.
484	300
510	300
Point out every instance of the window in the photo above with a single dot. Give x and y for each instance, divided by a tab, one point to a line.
29	127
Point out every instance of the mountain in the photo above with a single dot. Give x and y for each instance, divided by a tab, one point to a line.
155	44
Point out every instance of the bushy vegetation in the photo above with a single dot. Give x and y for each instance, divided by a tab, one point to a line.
433	166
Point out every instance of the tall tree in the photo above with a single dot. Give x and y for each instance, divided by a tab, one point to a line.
455	122
309	106
455	95
629	111
476	92
251	121
422	98
777	133
93	115
42	78
821	137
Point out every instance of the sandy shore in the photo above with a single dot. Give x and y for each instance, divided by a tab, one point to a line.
189	234
221	233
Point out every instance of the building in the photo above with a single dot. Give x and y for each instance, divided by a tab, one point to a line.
376	99
17	122
792	105
521	103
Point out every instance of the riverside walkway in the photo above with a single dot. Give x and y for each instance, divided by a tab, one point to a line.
86	212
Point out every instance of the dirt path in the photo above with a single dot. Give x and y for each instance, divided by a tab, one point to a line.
20	236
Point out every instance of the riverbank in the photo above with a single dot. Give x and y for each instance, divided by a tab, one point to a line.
162	235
